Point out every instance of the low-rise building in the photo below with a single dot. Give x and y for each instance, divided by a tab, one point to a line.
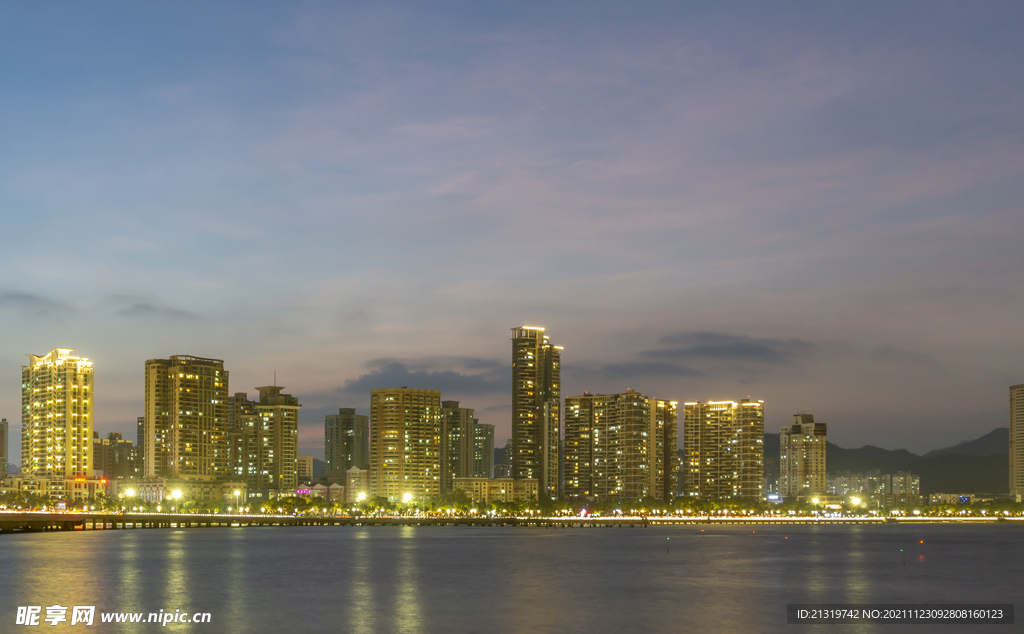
357	481
78	488
178	490
498	490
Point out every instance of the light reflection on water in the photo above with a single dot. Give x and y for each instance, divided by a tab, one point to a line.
504	579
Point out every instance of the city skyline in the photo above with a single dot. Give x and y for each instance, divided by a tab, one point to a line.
818	207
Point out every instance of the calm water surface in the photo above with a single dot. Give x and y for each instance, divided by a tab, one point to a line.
505	579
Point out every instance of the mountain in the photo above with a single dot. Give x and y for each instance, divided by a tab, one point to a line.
994	443
976	466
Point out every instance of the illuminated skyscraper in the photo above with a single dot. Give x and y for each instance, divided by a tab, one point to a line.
723	449
56	415
802	457
346	441
3	448
467	447
186	421
265	439
1017	440
536	408
405	443
620	446
458	440
483	451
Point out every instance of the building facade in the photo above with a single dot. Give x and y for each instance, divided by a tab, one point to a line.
486	491
357	482
536	409
1017	441
483	451
265	439
620	446
113	457
723	449
56	415
467	447
346	441
304	467
802	457
186	419
405	443
4	455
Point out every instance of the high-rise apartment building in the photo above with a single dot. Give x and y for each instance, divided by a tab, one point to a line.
802	458
113	456
265	439
458	443
4	455
1017	440
536	409
186	420
483	451
405	443
620	446
304	467
723	449
56	415
346	441
467	447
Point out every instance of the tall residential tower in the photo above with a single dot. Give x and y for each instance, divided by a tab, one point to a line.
346	441
620	446
405	443
802	457
56	415
186	421
536	409
1017	440
265	439
723	449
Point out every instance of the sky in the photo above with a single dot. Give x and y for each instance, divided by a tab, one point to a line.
818	205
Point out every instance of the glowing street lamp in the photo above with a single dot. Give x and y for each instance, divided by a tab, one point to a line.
407	498
361	496
237	493
130	492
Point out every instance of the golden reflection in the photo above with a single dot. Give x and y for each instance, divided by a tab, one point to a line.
177	586
362	606
408	614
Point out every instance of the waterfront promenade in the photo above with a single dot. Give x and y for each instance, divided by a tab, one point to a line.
32	522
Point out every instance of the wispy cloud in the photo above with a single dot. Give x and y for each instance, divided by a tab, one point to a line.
713	346
31	303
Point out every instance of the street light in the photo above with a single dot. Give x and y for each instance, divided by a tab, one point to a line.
237	493
361	496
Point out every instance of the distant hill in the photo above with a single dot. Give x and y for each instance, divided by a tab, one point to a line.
976	466
994	443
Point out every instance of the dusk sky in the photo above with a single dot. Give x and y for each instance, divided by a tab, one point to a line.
814	204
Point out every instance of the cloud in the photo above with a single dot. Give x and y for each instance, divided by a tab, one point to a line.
147	309
28	302
387	373
712	346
